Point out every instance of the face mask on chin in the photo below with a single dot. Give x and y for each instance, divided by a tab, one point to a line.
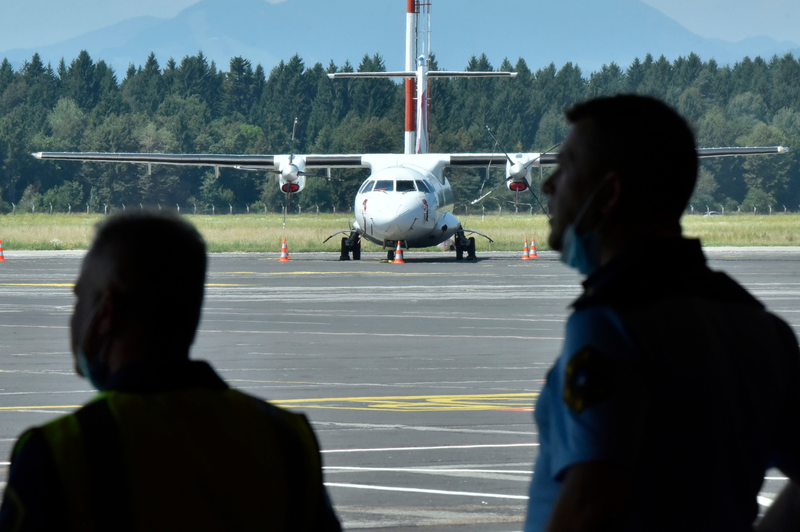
582	252
95	370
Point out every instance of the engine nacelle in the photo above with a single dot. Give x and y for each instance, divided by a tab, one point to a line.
518	177
291	167
296	185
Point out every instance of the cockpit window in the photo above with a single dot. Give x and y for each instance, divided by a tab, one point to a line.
422	186
405	186
385	185
366	187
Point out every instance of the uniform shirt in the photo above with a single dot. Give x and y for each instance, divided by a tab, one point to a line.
35	497
678	375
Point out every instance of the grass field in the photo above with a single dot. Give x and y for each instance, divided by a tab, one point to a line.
305	233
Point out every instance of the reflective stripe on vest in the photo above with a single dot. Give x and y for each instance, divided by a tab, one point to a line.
191	459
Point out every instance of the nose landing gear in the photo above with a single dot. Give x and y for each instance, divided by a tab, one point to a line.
351	244
462	244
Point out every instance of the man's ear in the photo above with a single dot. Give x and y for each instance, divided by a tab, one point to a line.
110	315
612	192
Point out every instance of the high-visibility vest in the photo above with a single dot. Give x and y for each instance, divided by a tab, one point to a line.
196	459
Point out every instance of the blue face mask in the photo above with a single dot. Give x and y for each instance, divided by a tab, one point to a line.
582	252
95	371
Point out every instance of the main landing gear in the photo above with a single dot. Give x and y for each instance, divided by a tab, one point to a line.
462	244
351	244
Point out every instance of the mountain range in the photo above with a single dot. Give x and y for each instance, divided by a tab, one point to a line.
588	34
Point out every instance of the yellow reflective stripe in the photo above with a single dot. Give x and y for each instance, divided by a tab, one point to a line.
66	445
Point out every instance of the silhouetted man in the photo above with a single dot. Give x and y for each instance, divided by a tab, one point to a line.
675	389
166	445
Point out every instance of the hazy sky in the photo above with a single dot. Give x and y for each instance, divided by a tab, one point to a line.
734	20
30	23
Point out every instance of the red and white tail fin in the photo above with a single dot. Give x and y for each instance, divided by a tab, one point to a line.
418	49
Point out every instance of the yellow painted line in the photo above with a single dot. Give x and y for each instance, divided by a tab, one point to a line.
58	285
37	407
409	403
420	403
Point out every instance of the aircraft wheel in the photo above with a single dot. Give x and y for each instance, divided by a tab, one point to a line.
357	251
390	255
345	254
459	253
471	249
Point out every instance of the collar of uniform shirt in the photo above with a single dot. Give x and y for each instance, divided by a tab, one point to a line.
165	375
650	261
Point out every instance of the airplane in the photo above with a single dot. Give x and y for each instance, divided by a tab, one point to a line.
406	200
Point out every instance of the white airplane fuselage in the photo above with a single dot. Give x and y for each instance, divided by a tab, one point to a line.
407	202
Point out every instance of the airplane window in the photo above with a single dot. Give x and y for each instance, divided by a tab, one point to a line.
422	186
386	185
366	187
405	186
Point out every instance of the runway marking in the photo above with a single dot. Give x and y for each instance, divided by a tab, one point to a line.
70	285
420	403
429	448
421	429
414	403
51	285
407	274
388	335
35	326
24	408
419	490
425	470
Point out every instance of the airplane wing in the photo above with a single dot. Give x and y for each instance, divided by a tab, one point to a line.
269	162
484	159
251	162
549	159
728	152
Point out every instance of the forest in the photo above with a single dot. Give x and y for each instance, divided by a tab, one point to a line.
193	106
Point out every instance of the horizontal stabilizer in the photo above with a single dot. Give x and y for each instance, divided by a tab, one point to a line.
430	74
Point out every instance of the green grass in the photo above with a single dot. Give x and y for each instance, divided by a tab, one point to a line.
256	232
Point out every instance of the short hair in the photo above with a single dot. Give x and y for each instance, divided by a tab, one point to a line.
648	144
159	262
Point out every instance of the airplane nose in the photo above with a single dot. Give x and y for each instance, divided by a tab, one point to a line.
408	218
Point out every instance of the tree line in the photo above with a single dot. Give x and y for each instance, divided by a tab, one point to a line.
194	107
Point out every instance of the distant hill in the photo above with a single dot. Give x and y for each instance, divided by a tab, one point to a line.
540	31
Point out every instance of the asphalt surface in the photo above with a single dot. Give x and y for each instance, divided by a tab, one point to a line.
419	378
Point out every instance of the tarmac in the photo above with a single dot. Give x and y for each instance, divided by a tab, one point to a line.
419	378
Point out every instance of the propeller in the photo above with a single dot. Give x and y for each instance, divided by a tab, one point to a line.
517	171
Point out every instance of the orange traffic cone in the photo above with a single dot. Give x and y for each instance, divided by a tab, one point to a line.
533	254
2	258
284	252
398	254
525	251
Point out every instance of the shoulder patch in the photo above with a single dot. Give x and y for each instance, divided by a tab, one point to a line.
589	380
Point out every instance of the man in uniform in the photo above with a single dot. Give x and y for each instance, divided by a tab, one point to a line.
166	445
675	389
